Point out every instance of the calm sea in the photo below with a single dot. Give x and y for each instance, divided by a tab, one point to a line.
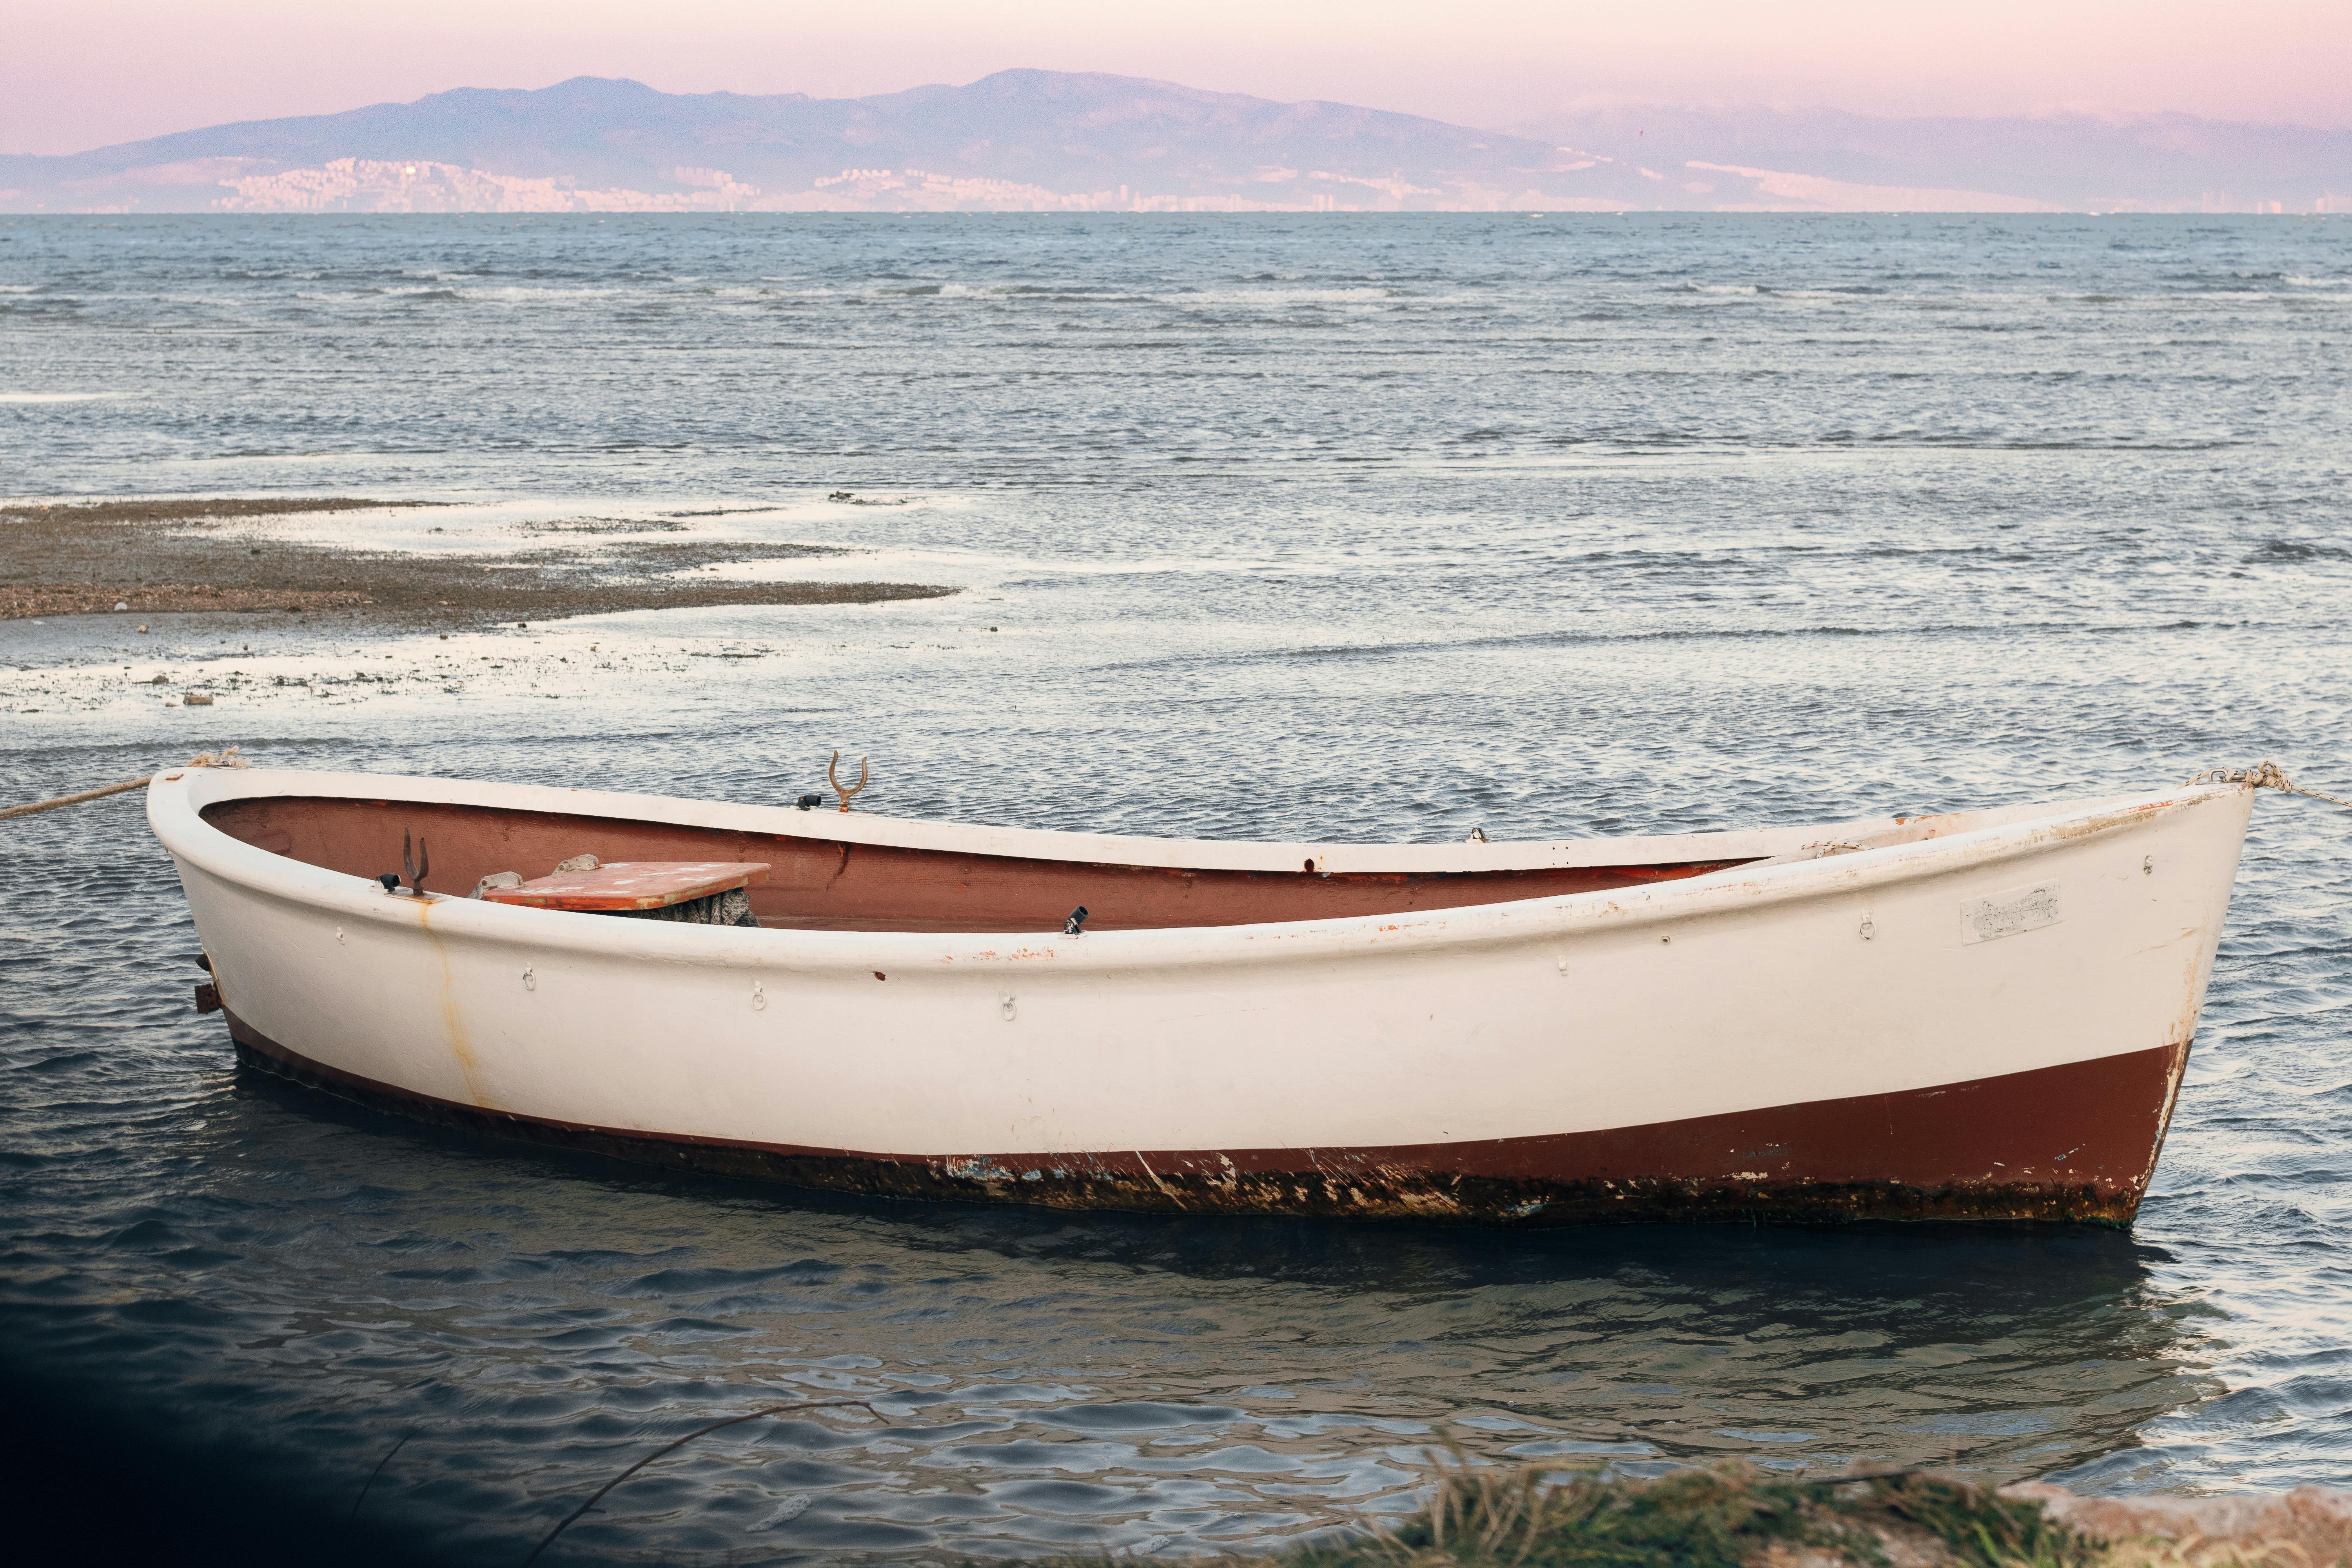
1289	527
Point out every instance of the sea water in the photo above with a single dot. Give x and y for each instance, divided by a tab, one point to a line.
1323	527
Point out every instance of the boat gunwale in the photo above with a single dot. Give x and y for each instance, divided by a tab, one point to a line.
176	800
861	827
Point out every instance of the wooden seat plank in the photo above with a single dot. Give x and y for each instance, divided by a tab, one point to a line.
632	885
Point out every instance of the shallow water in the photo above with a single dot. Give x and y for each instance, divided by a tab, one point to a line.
1288	528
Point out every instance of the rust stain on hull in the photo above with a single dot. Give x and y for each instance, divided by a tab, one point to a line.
2073	1143
452	1015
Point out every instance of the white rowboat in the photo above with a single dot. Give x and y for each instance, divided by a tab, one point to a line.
1977	1015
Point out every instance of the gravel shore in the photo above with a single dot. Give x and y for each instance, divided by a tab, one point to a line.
204	555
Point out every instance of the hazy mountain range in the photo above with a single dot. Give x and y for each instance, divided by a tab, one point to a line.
1030	140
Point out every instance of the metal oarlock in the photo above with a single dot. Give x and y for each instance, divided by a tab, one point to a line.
833	775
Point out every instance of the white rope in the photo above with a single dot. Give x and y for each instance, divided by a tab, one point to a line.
2267	776
223	759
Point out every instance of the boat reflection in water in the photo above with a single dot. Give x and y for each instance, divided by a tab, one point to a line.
533	1321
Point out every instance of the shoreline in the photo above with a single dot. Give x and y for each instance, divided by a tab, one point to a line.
172	556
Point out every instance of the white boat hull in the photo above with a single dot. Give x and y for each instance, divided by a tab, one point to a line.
1984	1015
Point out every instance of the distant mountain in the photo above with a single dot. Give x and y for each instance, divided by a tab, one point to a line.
1030	140
2156	162
1018	139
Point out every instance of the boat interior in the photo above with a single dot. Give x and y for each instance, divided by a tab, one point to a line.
815	883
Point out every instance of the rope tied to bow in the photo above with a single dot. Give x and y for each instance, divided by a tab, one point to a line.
2268	775
221	759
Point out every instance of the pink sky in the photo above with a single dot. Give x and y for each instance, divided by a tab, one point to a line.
83	73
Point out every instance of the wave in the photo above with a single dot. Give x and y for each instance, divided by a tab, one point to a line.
2283	552
1506	642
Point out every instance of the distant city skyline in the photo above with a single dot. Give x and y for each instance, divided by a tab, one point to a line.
97	72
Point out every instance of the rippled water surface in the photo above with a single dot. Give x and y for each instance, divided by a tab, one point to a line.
1286	528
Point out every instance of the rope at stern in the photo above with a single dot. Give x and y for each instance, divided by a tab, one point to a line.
2267	776
225	759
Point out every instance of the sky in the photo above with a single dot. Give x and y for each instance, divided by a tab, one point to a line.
75	74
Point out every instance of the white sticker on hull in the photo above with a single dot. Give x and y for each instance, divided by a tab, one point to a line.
2017	910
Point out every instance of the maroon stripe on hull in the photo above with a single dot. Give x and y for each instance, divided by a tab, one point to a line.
2076	1143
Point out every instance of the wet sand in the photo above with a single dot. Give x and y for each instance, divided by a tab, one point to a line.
194	555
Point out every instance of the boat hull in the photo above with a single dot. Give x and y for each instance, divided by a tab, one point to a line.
1925	1154
1988	1023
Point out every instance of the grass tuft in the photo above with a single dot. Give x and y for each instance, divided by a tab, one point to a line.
1735	1515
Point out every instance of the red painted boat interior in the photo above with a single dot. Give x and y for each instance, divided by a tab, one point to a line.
825	884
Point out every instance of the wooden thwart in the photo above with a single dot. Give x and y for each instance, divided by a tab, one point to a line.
632	885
